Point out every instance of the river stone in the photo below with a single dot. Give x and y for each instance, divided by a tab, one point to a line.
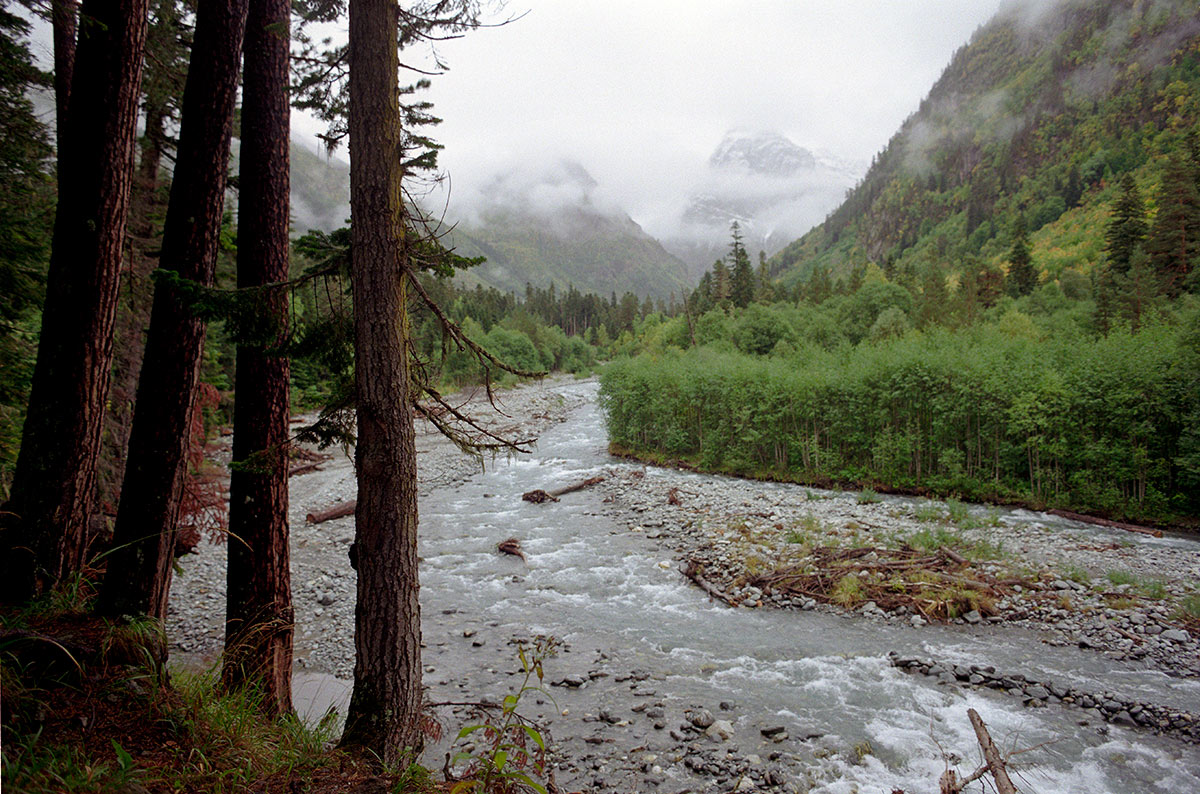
1123	718
973	617
702	718
720	730
1176	635
1039	692
1152	628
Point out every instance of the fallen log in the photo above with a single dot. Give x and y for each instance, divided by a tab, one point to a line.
693	571
539	496
995	763
1104	522
304	468
336	511
954	556
511	546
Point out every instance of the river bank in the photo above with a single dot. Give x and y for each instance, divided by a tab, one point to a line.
800	699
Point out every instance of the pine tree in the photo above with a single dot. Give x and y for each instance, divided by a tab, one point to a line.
741	279
54	483
1174	241
383	717
721	286
139	567
1127	229
1022	277
764	291
258	597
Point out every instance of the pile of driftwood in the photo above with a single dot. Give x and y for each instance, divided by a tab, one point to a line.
936	585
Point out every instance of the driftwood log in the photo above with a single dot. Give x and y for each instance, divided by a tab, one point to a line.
694	571
304	468
511	546
330	513
993	764
1104	522
539	496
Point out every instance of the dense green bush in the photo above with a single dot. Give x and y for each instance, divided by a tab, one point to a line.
997	411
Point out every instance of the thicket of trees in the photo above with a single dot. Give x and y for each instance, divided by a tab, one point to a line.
110	230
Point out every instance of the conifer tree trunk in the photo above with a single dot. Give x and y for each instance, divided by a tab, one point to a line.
133	307
139	566
54	483
64	18
258	615
385	705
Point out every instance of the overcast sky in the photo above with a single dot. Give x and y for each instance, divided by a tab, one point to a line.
641	91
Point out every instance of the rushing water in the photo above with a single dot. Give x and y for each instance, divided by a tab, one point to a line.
610	594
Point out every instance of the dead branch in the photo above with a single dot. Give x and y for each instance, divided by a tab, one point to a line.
954	555
995	763
539	496
579	486
330	513
694	571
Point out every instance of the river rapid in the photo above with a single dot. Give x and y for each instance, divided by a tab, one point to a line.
791	699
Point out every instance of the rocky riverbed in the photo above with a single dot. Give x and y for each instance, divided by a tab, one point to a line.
1108	590
657	688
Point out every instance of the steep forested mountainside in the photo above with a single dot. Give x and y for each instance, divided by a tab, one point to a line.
542	228
1036	119
580	246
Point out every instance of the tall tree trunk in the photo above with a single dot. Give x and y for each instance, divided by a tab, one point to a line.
64	17
54	482
385	706
133	308
258	615
139	567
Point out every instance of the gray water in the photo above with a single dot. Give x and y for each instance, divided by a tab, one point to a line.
621	606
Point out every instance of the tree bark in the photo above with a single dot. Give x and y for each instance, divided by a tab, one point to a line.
133	309
54	481
64	17
258	615
139	568
384	712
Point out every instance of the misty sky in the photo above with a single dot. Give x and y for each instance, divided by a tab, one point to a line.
641	91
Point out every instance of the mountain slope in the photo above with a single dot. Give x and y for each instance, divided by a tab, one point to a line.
772	187
539	228
1038	116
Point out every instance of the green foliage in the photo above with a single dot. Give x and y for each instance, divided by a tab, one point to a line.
26	219
997	411
1034	124
510	754
868	496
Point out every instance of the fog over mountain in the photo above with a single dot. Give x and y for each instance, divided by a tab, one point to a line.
775	189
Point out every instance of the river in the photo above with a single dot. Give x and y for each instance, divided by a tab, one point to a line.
639	635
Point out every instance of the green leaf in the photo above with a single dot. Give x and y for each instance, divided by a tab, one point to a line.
535	735
469	729
124	759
